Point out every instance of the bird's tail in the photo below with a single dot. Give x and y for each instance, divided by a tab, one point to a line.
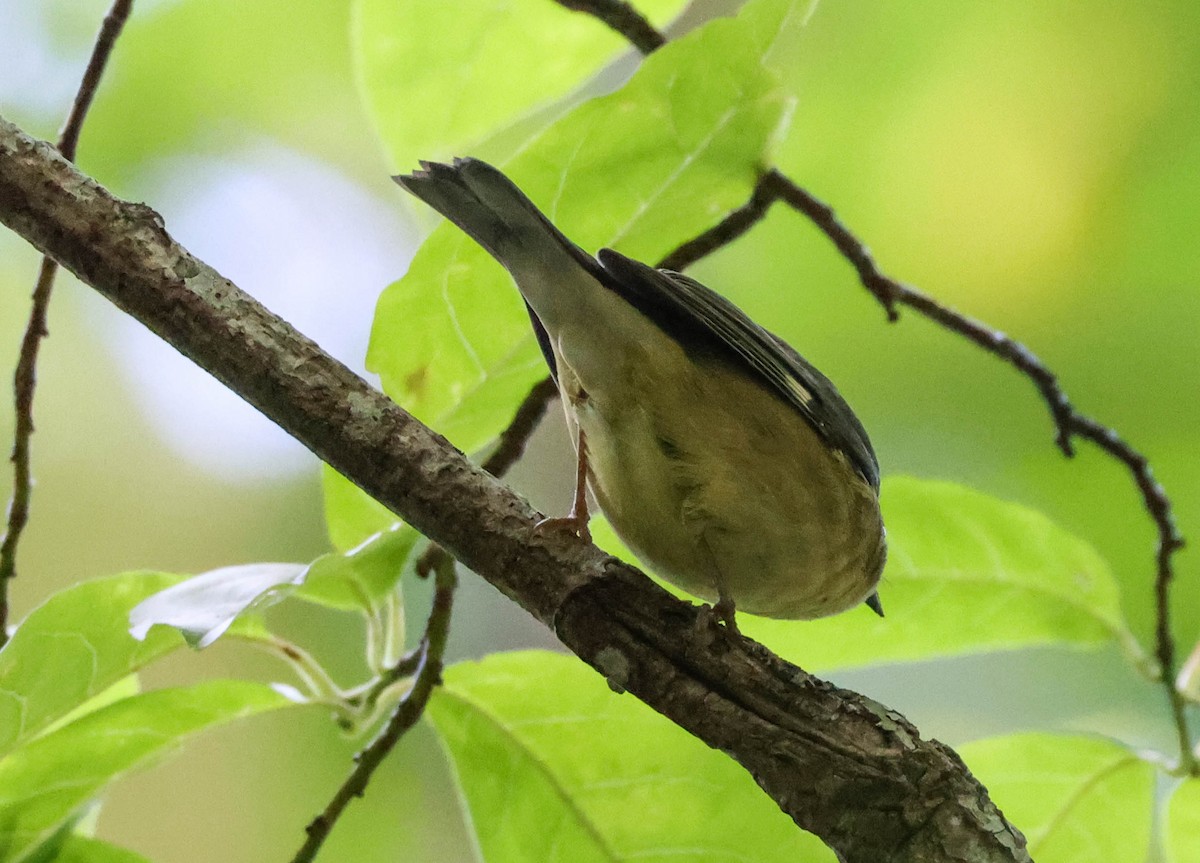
490	209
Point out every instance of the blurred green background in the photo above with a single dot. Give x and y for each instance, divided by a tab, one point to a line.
1032	164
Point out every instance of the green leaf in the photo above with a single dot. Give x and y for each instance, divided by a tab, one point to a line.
48	849
439	77
80	849
1181	827
351	515
966	573
363	577
555	767
123	688
43	782
1076	799
641	169
204	606
72	648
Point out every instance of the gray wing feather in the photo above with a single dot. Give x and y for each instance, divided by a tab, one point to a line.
667	296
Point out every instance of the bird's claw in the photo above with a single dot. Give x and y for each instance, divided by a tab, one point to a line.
721	612
575	524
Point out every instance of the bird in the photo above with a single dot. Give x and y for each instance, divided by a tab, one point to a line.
726	462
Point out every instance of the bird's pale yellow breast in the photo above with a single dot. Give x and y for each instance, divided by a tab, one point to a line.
706	474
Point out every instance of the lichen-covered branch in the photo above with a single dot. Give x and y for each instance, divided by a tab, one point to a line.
842	766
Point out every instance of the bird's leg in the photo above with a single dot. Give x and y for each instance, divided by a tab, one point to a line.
577	520
723	610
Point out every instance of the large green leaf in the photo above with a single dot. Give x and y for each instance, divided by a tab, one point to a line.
73	647
44	781
439	77
1181	827
966	573
1076	799
554	766
642	169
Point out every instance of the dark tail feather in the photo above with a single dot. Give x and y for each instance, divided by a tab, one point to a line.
490	209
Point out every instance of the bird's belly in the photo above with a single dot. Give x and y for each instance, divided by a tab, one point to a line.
800	539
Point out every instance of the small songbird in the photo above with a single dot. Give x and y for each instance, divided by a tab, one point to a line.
723	460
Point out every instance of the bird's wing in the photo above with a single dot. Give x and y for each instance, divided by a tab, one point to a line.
697	315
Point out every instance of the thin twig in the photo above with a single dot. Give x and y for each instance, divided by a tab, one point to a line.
623	18
524	422
723	233
1069	423
25	377
408	711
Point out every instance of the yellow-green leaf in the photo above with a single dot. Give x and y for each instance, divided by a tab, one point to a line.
1181	826
555	767
44	781
439	77
73	647
641	169
966	573
1076	799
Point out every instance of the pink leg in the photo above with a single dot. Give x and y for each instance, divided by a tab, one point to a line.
577	520
723	610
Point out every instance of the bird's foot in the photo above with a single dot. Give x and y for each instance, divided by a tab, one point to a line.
576	524
722	612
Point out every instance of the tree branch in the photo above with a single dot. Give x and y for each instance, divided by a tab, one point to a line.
898	797
508	451
25	377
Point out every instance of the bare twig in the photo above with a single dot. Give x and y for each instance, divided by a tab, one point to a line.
1069	423
25	377
727	230
623	18
526	420
405	716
